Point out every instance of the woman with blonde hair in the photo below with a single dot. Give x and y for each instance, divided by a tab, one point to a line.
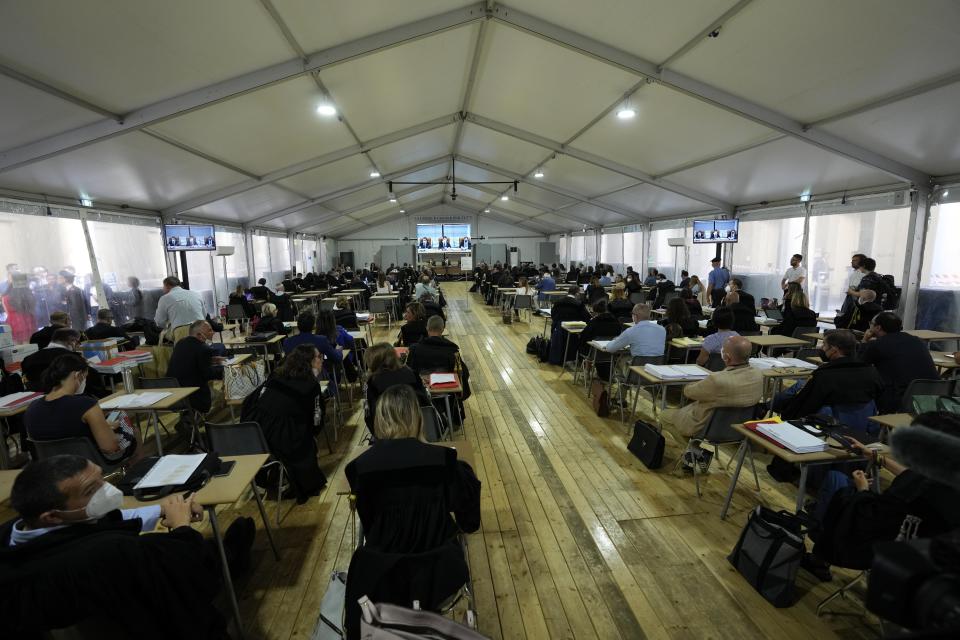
406	491
384	370
269	320
619	306
796	314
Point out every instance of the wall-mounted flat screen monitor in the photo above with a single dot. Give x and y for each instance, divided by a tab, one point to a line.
705	231
444	238
189	237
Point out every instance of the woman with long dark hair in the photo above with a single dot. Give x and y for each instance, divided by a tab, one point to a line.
285	411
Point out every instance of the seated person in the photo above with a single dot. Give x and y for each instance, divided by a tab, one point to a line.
332	352
281	300
344	314
415	327
524	288
384	371
62	341
65	412
738	385
285	413
569	308
194	364
339	336
269	321
696	310
261	292
602	326
678	322
841	381
744	298
431	307
406	491
595	291
723	323
619	306
436	354
862	311
547	283
424	286
58	320
383	286
73	549
852	517
659	292
104	329
899	357
240	298
796	314
645	337
744	315
606	279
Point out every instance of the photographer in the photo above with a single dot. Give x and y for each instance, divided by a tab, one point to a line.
853	518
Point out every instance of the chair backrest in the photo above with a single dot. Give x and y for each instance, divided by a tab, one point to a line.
800	332
637	297
379	305
719	427
856	416
523	302
715	362
807	352
241	439
639	361
925	388
78	446
432	424
668	296
235	312
159	383
327	305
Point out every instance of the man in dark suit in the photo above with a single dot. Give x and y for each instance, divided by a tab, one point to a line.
260	292
444	242
194	364
899	357
104	329
77	306
425	243
435	353
62	341
861	311
58	320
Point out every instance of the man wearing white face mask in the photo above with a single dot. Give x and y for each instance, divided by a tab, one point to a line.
74	555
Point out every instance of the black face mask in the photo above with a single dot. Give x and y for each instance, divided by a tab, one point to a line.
822	355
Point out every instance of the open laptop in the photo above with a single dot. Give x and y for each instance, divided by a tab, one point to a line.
773	314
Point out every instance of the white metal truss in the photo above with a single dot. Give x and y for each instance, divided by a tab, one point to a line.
707	93
238	85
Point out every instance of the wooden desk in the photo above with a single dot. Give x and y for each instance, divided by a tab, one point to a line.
892	420
177	394
231	343
238	359
445	393
572	327
767	341
805	460
464	452
682	345
226	490
776	375
5	415
944	359
6	483
929	336
661	383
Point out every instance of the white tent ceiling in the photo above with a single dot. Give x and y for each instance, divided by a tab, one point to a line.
207	110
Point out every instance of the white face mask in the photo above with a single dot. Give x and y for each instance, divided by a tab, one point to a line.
316	372
728	288
81	385
106	499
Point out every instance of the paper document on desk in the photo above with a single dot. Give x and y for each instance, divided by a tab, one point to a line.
689	342
133	400
600	344
363	316
16	398
792	438
675	371
174	469
442	378
545	312
771	363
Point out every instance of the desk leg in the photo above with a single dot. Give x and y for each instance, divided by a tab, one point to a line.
563	364
636	396
266	520
741	454
228	581
155	421
802	486
446	399
4	452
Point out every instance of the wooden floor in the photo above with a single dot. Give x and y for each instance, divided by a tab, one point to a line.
578	540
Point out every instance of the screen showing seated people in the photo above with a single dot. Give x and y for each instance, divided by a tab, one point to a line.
444	238
190	237
715	231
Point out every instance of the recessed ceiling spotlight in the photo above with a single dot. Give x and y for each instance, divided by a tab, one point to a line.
805	197
403	210
626	112
86	202
374	174
393	198
504	198
325	107
538	174
486	210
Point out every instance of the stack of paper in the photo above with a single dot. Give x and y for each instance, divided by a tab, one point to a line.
443	380
363	316
132	400
770	363
545	312
17	399
171	470
676	371
137	355
792	438
113	365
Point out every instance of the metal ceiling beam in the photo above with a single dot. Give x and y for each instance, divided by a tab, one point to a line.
59	93
546	186
238	85
700	37
200	154
599	161
707	93
470	85
313	163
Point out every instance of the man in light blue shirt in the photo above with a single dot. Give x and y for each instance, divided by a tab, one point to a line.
547	283
716	282
645	338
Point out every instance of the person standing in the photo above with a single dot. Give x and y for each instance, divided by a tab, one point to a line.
20	305
717	281
75	302
796	273
853	282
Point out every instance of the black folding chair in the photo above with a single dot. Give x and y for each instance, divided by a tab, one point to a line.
78	446
719	431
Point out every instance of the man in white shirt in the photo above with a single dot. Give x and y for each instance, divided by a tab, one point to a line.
853	282
177	308
795	273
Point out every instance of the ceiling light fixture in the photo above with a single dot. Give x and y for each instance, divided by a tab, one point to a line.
486	210
945	193
805	196
538	174
325	106
86	202
393	198
403	210
504	197
374	174
626	111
